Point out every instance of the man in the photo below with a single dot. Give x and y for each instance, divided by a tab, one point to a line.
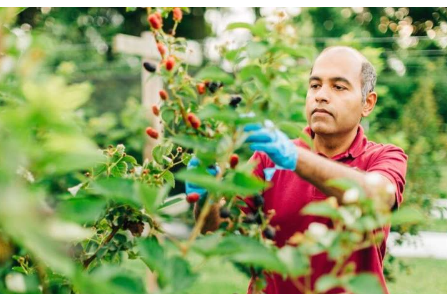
340	93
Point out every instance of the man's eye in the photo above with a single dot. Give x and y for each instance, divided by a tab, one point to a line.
314	86
339	88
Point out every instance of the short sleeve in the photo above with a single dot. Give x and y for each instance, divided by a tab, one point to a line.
391	162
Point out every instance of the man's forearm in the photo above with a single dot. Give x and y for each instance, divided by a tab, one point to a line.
317	170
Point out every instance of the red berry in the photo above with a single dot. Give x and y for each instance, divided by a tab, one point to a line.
155	21
177	14
152	132
170	63
194	120
163	95
155	110
234	160
161	48
201	88
192	197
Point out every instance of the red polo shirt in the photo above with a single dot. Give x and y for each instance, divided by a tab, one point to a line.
290	193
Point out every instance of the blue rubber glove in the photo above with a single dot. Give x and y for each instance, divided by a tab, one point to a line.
192	188
281	150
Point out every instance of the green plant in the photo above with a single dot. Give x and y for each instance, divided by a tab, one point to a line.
81	240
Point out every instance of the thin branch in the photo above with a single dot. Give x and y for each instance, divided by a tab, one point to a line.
89	260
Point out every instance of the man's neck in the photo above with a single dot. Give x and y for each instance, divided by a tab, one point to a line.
332	145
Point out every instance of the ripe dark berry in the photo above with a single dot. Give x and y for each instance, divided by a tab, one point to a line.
234	160
258	200
136	228
163	95
155	21
170	63
193	120
152	132
201	88
269	233
161	48
192	197
177	14
213	86
235	100
155	110
250	219
224	212
149	67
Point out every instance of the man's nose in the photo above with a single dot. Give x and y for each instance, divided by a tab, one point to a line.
322	94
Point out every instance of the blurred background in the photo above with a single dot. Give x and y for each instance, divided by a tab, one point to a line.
406	45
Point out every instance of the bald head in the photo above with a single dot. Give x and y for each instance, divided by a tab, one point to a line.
358	61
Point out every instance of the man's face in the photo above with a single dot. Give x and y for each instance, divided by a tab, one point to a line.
335	87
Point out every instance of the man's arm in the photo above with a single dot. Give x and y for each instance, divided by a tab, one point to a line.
317	170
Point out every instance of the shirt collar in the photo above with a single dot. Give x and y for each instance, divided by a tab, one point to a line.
357	147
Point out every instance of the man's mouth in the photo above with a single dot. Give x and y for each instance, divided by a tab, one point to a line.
321	111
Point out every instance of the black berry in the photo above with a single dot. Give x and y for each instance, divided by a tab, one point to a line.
213	86
258	218
258	201
269	233
224	212
149	67
235	100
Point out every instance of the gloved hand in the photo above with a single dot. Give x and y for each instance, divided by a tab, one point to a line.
191	188
281	150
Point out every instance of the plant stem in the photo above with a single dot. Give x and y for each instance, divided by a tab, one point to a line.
298	285
42	278
199	224
89	260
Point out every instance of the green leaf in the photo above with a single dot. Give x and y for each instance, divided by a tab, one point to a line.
153	256
254	72
256	49
181	273
186	157
206	245
171	201
201	177
344	184
201	145
238	184
239	25
169	178
168	115
282	95
214	73
82	210
321	208
250	252
111	279
407	215
157	154
130	159
151	197
364	284
295	262
260	29
292	129
119	169
326	283
248	183
214	112
119	189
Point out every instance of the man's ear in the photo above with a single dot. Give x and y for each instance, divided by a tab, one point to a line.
369	104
